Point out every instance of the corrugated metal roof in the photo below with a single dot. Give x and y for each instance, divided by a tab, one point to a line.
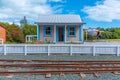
59	19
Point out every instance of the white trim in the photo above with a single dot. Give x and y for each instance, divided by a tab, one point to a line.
29	38
37	32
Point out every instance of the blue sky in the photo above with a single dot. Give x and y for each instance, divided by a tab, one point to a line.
96	13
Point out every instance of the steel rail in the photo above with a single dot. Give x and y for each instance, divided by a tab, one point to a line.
59	66
70	63
58	72
82	61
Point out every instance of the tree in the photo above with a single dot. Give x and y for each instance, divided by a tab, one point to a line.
15	34
4	23
30	29
101	29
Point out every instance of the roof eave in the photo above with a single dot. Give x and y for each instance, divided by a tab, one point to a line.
59	23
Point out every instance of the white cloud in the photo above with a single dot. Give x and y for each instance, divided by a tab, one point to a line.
3	16
106	11
56	0
71	11
19	8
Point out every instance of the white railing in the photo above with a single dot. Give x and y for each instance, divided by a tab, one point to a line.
59	48
30	38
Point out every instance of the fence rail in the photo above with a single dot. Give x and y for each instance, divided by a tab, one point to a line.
59	48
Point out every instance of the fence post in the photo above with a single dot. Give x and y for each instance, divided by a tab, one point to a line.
48	50
4	49
117	51
70	50
94	50
25	49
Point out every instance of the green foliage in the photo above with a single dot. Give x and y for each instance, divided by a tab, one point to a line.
101	29
110	33
8	42
106	33
4	23
15	34
30	29
84	35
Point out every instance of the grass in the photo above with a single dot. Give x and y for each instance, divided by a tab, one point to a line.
108	40
112	40
8	42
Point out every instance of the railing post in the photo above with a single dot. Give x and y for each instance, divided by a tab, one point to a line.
118	51
70	50
94	50
25	49
48	50
5	50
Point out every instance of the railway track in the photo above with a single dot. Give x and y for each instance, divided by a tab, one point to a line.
45	67
83	61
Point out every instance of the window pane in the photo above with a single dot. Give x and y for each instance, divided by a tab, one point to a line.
47	28
72	29
47	31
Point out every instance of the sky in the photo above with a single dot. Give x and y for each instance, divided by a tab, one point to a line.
95	13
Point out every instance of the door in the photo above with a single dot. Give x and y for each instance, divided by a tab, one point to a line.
60	34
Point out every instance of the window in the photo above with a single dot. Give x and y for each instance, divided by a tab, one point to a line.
47	31
71	31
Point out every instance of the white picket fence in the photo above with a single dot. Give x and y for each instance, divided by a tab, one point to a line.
59	48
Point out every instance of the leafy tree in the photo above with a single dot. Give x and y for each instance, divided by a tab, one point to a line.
15	34
30	29
101	29
109	33
4	23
